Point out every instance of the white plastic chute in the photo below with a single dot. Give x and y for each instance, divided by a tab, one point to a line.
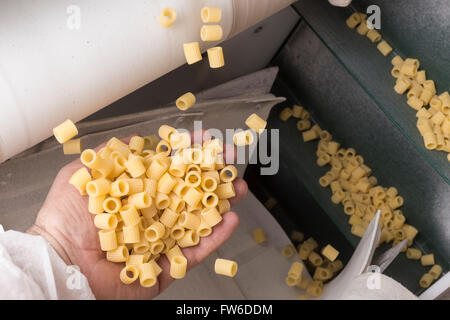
59	60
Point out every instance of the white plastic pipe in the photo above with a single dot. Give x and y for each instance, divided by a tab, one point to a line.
51	70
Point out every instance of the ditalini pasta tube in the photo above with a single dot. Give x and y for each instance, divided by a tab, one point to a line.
226	267
65	131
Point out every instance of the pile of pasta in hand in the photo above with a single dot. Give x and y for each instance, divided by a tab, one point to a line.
148	203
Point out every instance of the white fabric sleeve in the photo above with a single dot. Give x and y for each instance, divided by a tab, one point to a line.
31	269
376	286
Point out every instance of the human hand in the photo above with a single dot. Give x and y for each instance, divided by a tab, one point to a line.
64	220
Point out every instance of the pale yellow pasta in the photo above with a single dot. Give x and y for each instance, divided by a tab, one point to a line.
193	196
180	188
424	126
117	145
147	275
169	218
177	167
162	201
315	259
174	252
243	138
421	76
189	220
208	182
353	20
112	205
141	247
215	57
98	187
291	281
119	188
154	232
223	206
225	191
410	232
72	146
129	215
178	266
310	135
362	28
304	251
426	280
65	131
295	271
150	142
322	274
429	139
315	288
119	166
426	96
438	118
358	230
164	148
297	236
210	200
330	253
397	61
124	274
131	234
190	239
193	179
177	232
303	125
95	205
156	267
423	113
187	100
136	259
435	271
91	160
166	183
226	267
259	236
140	200
211	14
413	254
228	174
136	144
176	203
211	216
192	54
211	33
303	283
288	251
204	229
446	126
285	114
167	17
123	176
415	103
105	221
402	84
256	123
108	240
120	254
384	48
156	247
427	260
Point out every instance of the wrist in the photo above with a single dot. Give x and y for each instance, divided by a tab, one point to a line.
54	243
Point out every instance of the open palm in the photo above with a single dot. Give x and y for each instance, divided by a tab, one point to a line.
64	218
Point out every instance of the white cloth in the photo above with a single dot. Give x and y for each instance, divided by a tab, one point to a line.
31	269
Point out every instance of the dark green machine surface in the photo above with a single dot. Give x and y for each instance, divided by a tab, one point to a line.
346	84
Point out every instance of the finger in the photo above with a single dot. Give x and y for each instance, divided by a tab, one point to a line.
194	255
221	233
241	190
